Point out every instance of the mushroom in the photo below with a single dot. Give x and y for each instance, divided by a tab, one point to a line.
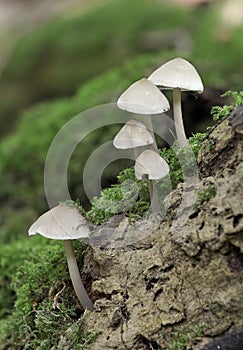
66	223
133	134
151	165
143	97
179	75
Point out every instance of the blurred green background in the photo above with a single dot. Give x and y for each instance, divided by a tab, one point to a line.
59	58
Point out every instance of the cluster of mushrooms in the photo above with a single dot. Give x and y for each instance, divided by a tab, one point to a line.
145	98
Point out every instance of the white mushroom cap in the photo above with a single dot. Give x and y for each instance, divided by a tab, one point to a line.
150	163
61	222
143	97
133	134
177	73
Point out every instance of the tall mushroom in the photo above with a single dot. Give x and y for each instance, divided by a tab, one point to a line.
151	165
66	223
133	134
143	97
178	75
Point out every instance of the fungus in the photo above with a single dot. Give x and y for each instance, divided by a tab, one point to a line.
143	97
66	223
133	134
178	75
152	166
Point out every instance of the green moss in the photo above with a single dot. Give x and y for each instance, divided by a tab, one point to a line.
114	199
208	193
181	339
220	112
45	301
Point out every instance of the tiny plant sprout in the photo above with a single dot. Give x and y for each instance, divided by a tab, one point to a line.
143	97
178	75
65	223
152	166
133	134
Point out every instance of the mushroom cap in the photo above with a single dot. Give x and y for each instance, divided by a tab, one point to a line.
61	222
177	73
152	164
143	97
133	134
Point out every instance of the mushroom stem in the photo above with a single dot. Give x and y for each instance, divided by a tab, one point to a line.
180	131
153	196
136	152
148	122
75	277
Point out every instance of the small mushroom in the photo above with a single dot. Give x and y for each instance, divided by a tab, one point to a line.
178	75
133	134
143	97
151	165
66	223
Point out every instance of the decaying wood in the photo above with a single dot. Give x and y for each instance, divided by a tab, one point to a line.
159	277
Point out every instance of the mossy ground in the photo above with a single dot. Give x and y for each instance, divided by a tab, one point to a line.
120	197
44	304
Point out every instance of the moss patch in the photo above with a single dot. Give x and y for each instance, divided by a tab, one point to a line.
45	304
101	209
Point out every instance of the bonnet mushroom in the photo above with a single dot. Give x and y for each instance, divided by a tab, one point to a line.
143	97
178	75
133	134
66	223
151	165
